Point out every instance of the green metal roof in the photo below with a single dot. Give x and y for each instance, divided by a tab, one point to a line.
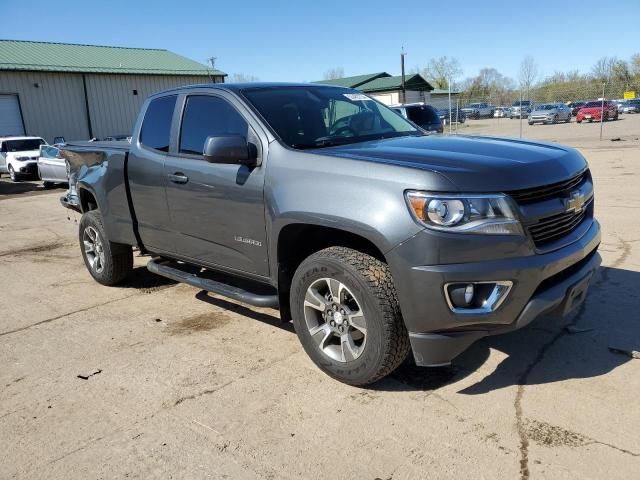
67	57
355	81
412	82
380	82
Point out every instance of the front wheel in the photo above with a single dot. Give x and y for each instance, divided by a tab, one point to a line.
347	317
12	174
108	263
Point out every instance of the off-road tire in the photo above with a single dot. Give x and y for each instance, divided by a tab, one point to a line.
118	258
371	282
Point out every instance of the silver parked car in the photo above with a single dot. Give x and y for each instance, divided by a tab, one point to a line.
550	113
52	167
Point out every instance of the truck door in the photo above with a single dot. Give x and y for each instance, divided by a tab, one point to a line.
147	179
217	211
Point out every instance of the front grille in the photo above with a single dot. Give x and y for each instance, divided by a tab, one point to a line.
555	190
554	227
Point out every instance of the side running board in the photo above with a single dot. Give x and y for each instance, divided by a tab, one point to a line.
173	271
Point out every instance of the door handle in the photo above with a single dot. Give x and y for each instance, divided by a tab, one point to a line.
178	177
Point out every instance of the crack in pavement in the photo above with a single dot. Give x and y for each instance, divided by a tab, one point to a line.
524	377
53	319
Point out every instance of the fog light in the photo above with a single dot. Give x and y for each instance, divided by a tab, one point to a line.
476	297
461	295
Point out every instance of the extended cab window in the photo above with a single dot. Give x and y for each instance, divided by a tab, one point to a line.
205	116
156	126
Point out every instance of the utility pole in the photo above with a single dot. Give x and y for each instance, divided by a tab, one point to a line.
404	91
602	111
212	61
450	119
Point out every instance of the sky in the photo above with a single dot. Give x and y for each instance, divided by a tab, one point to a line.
300	40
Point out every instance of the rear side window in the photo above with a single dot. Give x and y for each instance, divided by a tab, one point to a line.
156	126
423	115
205	116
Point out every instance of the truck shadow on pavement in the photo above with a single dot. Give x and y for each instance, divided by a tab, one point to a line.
10	189
589	343
551	349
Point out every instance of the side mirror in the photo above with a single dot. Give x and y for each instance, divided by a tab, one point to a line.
230	149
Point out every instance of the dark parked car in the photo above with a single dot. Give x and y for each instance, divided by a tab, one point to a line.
425	116
374	238
457	115
631	106
575	107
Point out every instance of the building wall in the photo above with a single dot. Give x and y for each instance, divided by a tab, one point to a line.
442	101
56	106
113	105
393	97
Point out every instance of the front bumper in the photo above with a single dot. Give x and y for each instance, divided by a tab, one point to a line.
540	285
26	168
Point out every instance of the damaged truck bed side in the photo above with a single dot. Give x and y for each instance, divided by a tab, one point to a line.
375	239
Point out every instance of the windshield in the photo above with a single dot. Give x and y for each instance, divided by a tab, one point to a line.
546	107
423	115
593	104
314	116
524	103
24	145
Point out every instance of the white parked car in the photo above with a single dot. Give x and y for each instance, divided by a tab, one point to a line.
501	112
52	168
19	156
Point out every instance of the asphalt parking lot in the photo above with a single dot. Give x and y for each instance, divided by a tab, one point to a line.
157	380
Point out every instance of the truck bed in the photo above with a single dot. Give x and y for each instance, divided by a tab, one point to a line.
104	164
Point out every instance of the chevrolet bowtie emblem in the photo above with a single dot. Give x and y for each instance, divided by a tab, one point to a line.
575	202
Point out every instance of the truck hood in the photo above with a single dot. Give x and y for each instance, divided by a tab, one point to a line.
473	164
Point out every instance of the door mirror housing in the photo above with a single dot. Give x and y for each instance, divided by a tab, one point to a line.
230	149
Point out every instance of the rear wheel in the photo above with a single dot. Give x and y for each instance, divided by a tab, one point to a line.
108	263
346	315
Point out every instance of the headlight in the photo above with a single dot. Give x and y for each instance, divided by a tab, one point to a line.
473	213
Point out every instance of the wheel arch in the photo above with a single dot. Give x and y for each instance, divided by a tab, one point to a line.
295	241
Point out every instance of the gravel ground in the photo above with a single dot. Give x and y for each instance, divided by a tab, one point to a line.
156	379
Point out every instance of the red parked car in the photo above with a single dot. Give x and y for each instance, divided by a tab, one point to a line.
593	110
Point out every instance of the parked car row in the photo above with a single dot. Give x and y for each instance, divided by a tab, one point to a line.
24	157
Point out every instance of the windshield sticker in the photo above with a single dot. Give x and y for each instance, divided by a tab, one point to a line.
356	97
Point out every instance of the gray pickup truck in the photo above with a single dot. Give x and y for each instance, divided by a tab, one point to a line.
374	238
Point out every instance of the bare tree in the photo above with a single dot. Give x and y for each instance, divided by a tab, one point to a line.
635	65
333	73
528	74
440	71
243	78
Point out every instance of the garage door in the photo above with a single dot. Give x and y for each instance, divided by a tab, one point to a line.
10	117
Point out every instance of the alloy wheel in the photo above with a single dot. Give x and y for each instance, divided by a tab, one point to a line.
335	320
93	249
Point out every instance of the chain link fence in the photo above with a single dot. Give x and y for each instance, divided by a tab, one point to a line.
573	111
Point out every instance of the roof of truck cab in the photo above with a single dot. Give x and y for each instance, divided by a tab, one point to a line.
236	87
